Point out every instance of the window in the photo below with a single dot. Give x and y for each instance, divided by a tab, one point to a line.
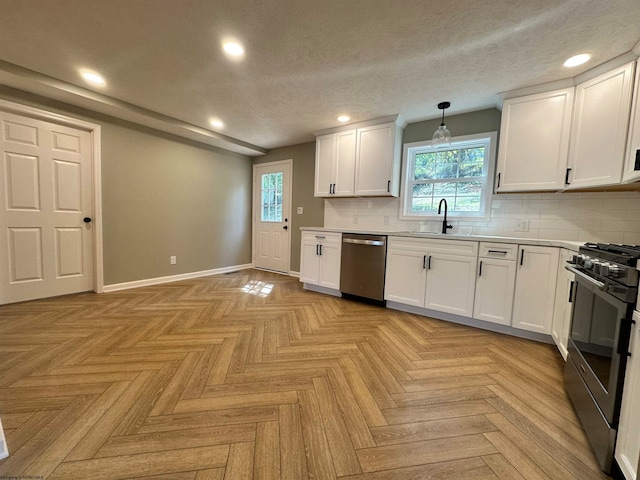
460	173
272	197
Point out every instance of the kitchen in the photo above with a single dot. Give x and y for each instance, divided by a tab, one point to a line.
132	217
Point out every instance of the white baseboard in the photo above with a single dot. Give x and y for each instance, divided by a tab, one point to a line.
4	449
174	278
294	274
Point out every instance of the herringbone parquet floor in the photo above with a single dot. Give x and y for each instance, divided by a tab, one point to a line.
246	375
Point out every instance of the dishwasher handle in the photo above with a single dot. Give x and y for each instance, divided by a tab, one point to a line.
375	243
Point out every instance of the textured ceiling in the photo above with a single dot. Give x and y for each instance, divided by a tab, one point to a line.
309	61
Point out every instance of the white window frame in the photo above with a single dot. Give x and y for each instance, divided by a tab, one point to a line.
488	140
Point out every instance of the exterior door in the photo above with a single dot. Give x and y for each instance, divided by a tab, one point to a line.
272	215
46	249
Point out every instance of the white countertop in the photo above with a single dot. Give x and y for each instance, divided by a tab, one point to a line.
452	236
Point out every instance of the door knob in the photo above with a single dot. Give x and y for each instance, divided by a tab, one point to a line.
285	228
86	219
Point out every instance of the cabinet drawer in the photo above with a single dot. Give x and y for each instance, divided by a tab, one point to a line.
463	248
504	251
321	237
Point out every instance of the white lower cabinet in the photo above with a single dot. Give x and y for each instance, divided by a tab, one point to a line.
495	283
562	308
434	274
320	259
628	442
536	275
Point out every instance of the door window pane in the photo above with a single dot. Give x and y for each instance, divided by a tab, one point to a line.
271	197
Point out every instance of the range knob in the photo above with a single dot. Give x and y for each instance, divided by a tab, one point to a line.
604	269
615	271
596	266
588	263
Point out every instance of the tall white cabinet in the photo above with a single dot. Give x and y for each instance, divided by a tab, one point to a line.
632	163
628	442
534	297
534	141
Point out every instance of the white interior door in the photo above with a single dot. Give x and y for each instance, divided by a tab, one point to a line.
272	215
45	193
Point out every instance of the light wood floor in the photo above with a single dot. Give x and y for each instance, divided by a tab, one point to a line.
246	375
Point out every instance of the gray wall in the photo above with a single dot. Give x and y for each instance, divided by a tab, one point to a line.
464	124
304	161
163	195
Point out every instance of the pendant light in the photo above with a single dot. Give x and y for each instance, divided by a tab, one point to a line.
442	135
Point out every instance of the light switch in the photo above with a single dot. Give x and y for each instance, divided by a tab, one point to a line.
300	210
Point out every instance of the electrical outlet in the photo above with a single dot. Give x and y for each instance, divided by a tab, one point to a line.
387	219
300	210
522	225
355	219
172	259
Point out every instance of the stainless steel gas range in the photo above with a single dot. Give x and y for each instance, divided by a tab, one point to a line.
604	295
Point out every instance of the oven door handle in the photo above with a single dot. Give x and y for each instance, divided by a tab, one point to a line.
586	277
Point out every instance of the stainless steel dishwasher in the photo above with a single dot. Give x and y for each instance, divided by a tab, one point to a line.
363	262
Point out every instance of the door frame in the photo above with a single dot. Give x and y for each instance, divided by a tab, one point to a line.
96	180
254	211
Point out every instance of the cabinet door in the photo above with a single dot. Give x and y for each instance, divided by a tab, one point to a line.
344	167
534	141
599	129
628	443
632	163
329	275
325	159
562	308
406	276
536	276
309	263
451	283
374	160
494	290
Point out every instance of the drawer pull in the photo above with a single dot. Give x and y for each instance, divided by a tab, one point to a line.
497	252
320	237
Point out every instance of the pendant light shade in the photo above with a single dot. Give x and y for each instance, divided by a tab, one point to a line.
442	135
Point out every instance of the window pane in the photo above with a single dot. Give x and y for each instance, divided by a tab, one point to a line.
278	213
446	170
265	181
265	214
444	189
424	166
468	204
423	189
422	204
467	188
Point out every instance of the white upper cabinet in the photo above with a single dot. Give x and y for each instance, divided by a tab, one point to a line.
363	161
599	129
325	161
632	164
534	141
377	161
335	160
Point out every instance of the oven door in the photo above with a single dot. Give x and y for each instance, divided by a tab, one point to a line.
599	341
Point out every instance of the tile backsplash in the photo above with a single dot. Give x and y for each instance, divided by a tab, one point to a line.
602	216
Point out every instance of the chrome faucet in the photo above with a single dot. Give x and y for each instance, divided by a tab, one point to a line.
444	222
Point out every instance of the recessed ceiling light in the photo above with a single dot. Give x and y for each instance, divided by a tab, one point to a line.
577	60
233	48
215	123
343	118
93	78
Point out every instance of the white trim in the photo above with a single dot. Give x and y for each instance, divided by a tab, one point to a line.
254	201
174	278
490	162
397	119
294	274
4	448
96	173
319	289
